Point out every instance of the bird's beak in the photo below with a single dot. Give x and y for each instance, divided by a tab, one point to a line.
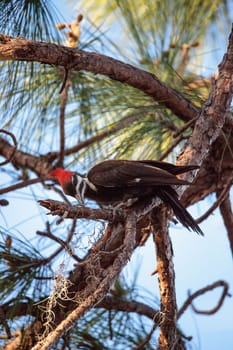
79	198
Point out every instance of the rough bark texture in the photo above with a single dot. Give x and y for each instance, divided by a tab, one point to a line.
166	277
209	146
72	59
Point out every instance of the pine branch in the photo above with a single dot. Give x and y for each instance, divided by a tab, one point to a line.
67	211
221	195
21	184
213	115
103	287
13	148
192	297
168	337
122	124
39	165
116	303
20	49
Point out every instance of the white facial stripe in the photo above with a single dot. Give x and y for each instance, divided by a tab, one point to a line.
90	184
80	188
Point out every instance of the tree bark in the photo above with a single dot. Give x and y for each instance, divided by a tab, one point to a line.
20	49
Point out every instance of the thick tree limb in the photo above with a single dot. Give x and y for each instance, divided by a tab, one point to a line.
217	168
39	165
213	115
166	275
20	49
99	292
198	149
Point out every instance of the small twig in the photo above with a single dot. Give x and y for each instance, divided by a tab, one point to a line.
168	124
226	212
154	272
202	291
185	127
122	304
101	243
185	48
57	190
147	339
64	98
173	145
65	78
64	244
20	185
221	197
13	148
122	124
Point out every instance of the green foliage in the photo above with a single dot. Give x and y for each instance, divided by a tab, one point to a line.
153	37
34	19
111	329
23	271
167	38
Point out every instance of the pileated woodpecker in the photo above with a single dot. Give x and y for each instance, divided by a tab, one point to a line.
114	182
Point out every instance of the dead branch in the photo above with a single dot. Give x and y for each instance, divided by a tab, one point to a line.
185	127
189	301
221	197
117	303
22	184
166	278
121	124
143	343
213	114
72	59
103	287
227	214
65	78
39	165
64	97
171	147
63	244
8	160
74	212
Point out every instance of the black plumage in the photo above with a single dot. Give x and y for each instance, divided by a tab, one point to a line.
124	182
119	181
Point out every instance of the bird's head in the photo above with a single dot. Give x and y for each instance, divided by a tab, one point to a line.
71	182
61	175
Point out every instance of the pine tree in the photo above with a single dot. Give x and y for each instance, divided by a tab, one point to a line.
73	94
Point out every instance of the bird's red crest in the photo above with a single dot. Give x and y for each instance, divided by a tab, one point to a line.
63	176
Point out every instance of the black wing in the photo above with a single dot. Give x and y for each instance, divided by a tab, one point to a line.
171	168
127	173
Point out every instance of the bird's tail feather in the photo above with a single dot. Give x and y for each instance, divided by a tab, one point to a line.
170	197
